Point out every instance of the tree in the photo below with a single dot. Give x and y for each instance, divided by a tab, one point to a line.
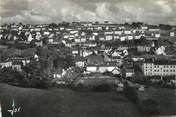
136	24
43	52
20	23
102	88
53	25
33	70
131	93
28	52
11	52
38	78
165	27
13	77
63	62
32	44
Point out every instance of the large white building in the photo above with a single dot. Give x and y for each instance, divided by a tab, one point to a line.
159	67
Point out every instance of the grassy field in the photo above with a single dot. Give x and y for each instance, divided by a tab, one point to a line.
65	103
166	98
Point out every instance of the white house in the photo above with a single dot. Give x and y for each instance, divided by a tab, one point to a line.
92	38
144	27
129	73
30	38
86	53
46	33
122	38
116	37
80	64
62	28
83	39
108	33
172	34
130	37
127	32
137	36
77	40
6	64
91	68
157	35
120	32
102	38
109	37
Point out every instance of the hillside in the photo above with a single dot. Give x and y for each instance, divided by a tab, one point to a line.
65	103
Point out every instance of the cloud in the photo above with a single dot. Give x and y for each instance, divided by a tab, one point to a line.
119	11
15	4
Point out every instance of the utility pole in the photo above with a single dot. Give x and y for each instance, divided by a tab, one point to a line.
175	85
0	110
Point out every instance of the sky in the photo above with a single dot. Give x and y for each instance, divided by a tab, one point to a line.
115	11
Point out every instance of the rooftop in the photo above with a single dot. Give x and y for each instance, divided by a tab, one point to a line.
161	61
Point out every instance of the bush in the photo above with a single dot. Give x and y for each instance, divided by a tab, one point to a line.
13	77
102	88
107	73
40	84
80	87
131	94
149	106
